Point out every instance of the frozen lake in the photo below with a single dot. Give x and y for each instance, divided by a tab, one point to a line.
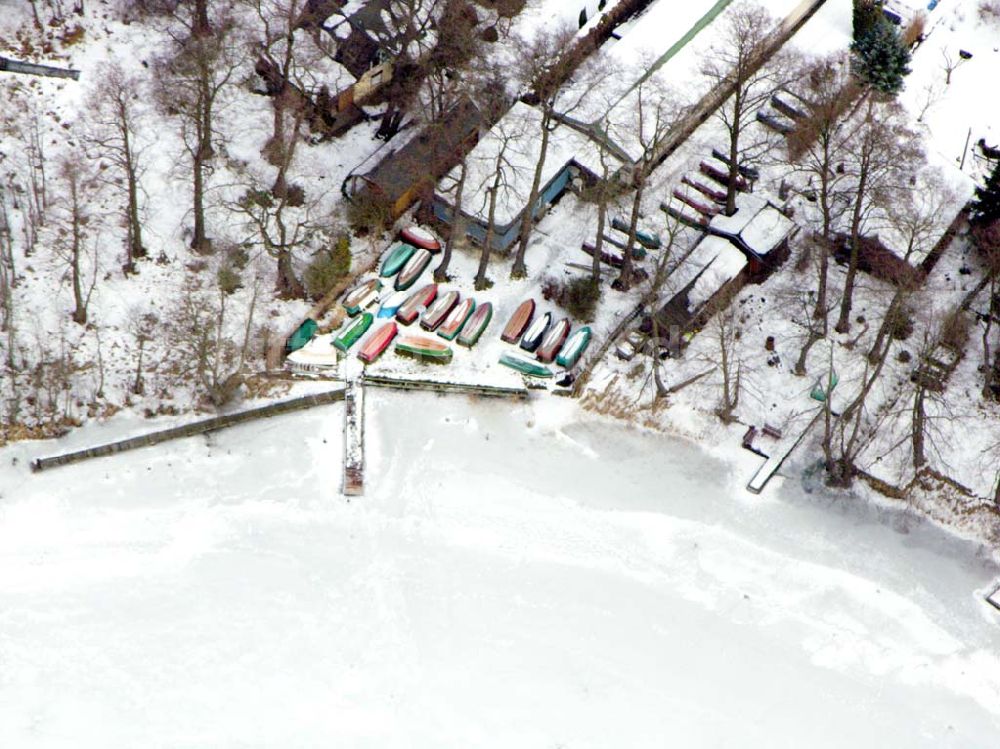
511	579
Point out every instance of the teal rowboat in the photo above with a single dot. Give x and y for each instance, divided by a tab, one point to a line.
358	327
646	239
476	325
396	259
301	336
575	345
525	366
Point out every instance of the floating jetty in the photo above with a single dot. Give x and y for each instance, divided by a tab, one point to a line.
354	439
436	386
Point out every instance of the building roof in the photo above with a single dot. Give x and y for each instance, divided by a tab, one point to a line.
515	143
428	155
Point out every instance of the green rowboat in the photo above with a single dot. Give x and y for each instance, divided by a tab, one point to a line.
396	259
354	331
424	348
475	325
575	345
525	366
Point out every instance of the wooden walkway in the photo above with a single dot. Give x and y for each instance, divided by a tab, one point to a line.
189	430
401	383
354	439
777	456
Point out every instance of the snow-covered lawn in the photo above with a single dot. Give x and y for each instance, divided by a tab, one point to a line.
514	576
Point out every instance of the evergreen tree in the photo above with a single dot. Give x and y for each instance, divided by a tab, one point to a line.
986	205
881	58
867	15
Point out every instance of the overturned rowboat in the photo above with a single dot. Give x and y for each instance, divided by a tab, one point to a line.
438	311
420	237
456	319
553	341
357	328
524	365
574	347
416	303
536	332
518	322
476	325
361	296
396	259
413	269
378	343
424	348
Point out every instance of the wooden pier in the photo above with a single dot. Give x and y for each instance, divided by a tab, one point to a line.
354	439
781	451
401	383
189	430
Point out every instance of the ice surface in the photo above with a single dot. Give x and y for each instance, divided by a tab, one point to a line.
514	576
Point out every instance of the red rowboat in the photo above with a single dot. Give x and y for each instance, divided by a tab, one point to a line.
378	343
456	319
416	303
553	341
420	237
518	321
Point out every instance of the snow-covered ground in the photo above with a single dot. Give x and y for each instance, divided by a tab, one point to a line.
514	576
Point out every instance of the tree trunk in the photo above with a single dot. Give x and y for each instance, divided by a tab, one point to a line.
199	241
136	249
734	151
627	276
457	226
800	364
287	285
919	421
519	269
484	258
602	217
844	321
202	26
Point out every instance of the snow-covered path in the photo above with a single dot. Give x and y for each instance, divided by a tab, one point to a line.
514	577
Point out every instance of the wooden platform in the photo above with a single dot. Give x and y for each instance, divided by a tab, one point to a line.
793	433
354	439
468	388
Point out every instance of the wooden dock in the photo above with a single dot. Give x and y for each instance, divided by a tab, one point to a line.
780	452
401	383
189	430
354	439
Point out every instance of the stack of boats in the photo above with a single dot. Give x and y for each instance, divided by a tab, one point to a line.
444	313
549	341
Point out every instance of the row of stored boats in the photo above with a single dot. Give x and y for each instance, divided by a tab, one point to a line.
439	312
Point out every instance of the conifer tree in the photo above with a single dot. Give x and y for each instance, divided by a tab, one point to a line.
882	58
986	204
866	16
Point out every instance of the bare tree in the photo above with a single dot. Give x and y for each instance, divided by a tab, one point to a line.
113	123
739	62
730	364
76	222
885	154
541	68
192	79
655	113
817	147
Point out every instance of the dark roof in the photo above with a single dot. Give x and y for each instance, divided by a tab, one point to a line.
429	155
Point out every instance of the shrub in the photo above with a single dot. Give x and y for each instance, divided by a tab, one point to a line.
368	212
228	279
579	296
900	323
327	268
955	331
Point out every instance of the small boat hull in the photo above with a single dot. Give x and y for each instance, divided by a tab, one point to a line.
476	325
378	343
416	303
420	237
413	269
456	319
396	259
524	366
361	296
391	305
553	341
424	348
647	239
353	331
438	311
574	347
532	338
302	335
518	322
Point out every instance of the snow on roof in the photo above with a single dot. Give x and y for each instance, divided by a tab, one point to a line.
766	230
725	264
748	205
515	145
